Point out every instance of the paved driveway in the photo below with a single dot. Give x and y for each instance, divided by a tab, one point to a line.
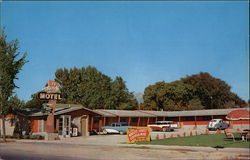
97	140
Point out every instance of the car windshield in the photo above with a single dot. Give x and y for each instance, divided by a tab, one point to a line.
160	123
118	124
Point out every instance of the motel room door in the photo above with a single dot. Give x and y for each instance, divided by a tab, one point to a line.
84	126
65	125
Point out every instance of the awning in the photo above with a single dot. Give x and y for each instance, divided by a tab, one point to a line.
238	115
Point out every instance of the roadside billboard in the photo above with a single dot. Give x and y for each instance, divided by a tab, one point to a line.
138	134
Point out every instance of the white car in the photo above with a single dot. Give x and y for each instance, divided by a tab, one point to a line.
165	126
116	127
217	124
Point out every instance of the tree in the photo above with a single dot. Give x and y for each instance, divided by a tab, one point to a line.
93	89
168	96
151	96
10	66
120	95
35	102
199	91
212	92
14	103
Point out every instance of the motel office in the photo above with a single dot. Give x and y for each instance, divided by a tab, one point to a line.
71	118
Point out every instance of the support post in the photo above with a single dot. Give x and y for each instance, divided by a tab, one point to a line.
57	125
195	121
99	126
148	121
91	123
129	120
138	123
50	118
104	121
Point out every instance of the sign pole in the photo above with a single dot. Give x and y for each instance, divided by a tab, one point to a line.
50	118
51	93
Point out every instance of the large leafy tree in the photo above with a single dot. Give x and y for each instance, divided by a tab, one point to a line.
93	89
169	96
35	102
14	103
198	91
11	62
212	92
121	96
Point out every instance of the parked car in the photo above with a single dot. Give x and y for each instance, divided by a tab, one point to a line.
116	127
215	124
165	126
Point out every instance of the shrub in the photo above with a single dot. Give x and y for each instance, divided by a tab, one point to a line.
39	137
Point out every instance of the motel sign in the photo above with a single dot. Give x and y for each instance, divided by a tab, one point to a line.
49	96
50	92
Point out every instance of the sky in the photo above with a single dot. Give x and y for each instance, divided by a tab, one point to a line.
144	42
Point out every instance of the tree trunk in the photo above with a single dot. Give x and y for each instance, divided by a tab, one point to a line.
3	128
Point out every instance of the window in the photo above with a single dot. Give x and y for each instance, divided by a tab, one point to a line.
206	118
96	121
60	126
134	120
40	126
189	118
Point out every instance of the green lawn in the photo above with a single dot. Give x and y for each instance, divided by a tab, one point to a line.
202	140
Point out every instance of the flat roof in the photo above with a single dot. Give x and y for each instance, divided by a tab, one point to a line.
60	109
66	108
123	113
207	112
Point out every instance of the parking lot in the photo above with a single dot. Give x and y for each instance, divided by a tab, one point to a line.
114	139
113	146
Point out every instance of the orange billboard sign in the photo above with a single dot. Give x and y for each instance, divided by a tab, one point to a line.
138	134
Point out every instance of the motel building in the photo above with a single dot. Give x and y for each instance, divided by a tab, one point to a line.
77	120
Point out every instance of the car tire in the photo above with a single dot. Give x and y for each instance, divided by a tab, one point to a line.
165	129
121	133
105	131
